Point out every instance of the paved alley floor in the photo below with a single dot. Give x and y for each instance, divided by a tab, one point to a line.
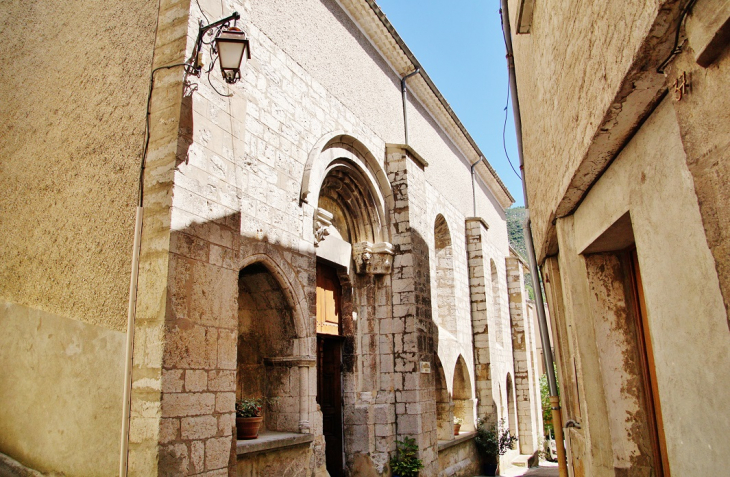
546	469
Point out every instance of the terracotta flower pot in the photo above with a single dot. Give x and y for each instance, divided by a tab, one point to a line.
456	429
248	427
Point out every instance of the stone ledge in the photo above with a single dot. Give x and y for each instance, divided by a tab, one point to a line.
11	467
462	437
271	440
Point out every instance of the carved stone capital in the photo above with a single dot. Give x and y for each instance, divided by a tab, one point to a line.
322	220
373	259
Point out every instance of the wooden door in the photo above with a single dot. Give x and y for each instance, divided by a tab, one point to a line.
329	397
329	295
656	426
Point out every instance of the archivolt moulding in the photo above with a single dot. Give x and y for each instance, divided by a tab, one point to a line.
342	146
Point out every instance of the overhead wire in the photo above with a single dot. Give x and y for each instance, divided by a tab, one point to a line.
504	130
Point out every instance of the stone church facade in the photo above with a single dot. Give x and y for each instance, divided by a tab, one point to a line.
302	242
626	140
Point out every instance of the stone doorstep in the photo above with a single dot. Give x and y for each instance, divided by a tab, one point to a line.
13	468
269	441
462	437
521	460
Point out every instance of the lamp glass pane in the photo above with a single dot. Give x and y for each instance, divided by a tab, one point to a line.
230	53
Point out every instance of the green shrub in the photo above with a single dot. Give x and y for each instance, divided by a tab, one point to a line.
406	462
493	441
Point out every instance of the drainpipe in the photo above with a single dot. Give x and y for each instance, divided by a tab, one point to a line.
534	271
473	186
404	93
131	311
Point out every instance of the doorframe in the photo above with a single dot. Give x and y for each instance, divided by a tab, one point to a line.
648	368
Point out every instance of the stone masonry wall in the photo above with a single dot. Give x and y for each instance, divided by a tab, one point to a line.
458	342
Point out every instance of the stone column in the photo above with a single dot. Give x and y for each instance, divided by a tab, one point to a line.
476	230
522	355
412	335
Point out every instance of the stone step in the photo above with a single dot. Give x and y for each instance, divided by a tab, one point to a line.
521	460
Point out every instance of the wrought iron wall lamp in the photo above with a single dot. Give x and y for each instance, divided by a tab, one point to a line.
229	47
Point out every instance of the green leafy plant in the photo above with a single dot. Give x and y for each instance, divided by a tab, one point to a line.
493	441
458	421
406	462
249	407
547	413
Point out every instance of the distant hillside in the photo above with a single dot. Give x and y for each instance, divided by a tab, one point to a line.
515	218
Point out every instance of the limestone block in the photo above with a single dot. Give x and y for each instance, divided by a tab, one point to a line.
172	380
190	345
187	404
199	427
221	380
226	423
225	402
227	350
196	380
174	459
197	456
217	452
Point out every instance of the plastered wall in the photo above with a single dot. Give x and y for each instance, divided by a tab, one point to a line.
74	86
73	96
61	392
685	310
570	78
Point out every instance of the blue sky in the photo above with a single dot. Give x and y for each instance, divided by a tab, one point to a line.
460	45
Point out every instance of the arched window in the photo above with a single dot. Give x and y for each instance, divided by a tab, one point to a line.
446	316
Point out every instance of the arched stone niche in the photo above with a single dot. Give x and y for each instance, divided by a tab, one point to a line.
446	312
444	405
273	350
512	422
462	395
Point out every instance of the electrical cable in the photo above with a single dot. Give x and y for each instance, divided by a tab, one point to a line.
504	130
201	11
211	83
147	128
676	49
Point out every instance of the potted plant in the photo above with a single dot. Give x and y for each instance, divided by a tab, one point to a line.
406	462
457	425
493	442
248	417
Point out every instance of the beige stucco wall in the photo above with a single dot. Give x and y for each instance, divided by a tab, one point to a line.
685	310
569	70
74	87
73	95
60	392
